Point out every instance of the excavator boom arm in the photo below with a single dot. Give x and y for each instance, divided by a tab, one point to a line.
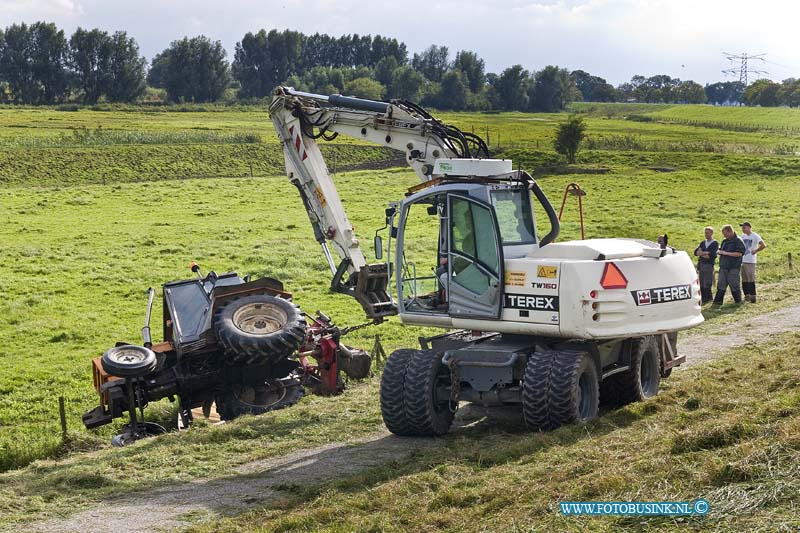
302	118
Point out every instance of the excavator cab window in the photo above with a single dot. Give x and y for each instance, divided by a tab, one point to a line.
452	257
514	216
424	259
475	259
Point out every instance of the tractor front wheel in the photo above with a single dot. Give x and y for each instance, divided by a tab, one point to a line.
129	361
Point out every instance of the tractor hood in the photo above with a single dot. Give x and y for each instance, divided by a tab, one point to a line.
600	249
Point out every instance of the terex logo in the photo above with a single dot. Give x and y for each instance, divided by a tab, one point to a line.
662	295
531	302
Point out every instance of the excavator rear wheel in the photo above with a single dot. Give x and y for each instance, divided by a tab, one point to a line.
641	381
559	388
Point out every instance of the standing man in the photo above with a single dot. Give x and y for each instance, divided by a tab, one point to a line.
730	263
706	254
752	245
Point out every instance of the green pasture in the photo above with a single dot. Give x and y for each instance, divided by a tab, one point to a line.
728	433
88	221
766	118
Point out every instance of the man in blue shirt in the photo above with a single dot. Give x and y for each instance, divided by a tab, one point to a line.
730	263
706	254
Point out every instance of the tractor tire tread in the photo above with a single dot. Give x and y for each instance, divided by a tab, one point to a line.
245	349
229	407
625	387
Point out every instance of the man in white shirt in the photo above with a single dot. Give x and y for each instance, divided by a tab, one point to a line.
753	244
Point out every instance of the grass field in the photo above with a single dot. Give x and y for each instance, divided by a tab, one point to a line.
728	433
89	221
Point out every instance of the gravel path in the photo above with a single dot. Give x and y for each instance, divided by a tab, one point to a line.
701	348
257	483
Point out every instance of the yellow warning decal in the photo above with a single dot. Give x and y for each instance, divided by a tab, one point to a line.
322	201
547	272
515	278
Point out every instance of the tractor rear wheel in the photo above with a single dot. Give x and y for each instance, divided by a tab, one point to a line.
641	381
559	388
259	328
241	399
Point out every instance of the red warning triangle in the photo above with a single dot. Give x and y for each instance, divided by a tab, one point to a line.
613	278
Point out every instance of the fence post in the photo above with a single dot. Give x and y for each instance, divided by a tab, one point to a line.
63	415
789	255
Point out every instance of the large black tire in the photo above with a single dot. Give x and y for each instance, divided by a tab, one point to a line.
259	328
641	381
408	394
425	373
241	400
559	388
146	429
129	361
393	382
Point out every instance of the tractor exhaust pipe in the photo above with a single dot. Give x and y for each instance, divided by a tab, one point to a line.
146	339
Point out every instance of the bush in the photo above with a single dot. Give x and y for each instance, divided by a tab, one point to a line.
569	136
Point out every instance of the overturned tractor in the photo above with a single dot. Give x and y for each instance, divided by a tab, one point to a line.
242	345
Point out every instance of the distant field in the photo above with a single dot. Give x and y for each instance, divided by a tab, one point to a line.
788	117
79	242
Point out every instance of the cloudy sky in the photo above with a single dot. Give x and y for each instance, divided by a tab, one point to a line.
615	39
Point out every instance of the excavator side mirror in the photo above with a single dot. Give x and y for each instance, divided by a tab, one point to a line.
378	247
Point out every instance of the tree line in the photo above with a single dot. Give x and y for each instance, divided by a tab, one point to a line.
39	65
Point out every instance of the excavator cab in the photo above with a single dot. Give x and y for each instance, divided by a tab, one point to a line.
452	241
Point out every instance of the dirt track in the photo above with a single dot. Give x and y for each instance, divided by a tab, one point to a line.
259	482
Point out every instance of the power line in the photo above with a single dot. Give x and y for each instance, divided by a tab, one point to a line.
743	69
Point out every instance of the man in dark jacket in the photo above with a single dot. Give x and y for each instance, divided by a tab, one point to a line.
706	254
730	263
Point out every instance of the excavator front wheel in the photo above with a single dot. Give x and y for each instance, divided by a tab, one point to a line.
410	404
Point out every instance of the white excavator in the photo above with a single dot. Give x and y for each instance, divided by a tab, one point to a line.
553	326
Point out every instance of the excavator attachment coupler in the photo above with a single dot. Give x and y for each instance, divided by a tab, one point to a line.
372	293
